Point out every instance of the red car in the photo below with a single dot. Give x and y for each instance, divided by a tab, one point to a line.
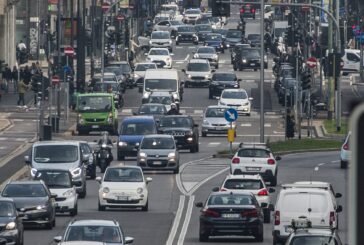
247	11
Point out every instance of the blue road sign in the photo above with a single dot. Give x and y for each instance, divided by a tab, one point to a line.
66	69
231	115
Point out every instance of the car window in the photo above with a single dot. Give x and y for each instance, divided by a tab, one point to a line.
94	104
224	77
253	37
186	29
313	240
242	184
162	23
176	22
152	109
85	149
198	67
55	179
352	57
157	143
107	234
203	28
160	35
113	69
192	11
7	209
229	199
106	86
137	128
123	175
55	153
165	100
175	122
234	95
251	53
253	153
24	190
215	112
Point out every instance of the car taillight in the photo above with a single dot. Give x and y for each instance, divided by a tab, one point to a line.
346	146
210	213
250	213
236	160
242	11
277	218
223	189
332	218
271	161
252	10
263	192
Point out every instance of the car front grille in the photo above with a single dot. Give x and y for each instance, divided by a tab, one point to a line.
157	156
60	199
112	201
198	78
237	105
95	119
176	133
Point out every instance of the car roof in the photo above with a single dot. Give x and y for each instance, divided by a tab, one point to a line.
160	93
81	243
138	119
106	74
244	176
57	142
25	182
158	49
205	47
306	190
152	136
202	61
87	222
161	73
151	104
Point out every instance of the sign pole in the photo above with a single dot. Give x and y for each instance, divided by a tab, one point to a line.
231	143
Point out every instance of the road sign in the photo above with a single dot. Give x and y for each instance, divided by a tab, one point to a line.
105	6
69	51
311	62
55	80
66	69
231	115
120	17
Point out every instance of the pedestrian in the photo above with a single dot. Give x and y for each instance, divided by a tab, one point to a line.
6	79
15	77
27	75
22	89
35	80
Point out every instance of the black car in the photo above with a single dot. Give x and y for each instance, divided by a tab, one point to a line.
223	32
248	59
237	49
247	11
119	74
254	40
126	70
233	37
11	225
221	81
34	200
186	34
184	130
202	30
288	89
152	109
231	213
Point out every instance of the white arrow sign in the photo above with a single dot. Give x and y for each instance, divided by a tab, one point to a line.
231	115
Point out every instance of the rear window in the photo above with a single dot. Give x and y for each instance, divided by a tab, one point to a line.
228	199
301	202
258	153
55	153
243	184
137	128
314	240
157	143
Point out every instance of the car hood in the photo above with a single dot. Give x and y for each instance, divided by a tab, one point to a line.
198	73
226	82
158	57
216	120
131	138
5	220
192	15
205	56
160	152
234	101
122	186
29	202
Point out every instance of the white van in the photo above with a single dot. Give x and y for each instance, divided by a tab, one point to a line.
351	60
292	203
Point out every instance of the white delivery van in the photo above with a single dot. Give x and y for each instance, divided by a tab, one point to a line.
351	60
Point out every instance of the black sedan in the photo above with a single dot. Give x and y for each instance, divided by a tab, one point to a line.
231	213
248	59
34	200
221	81
152	109
203	30
186	34
254	40
11	225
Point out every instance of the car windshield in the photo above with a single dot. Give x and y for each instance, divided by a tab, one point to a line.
251	53
24	190
6	209
94	104
228	199
257	153
158	52
160	35
203	28
243	184
215	112
160	84
114	69
314	240
152	109
160	18
106	234
165	100
123	175
198	67
254	37
220	31
233	34
234	95
144	67
137	128
192	11
176	22
206	51
55	179
55	153
157	143
224	77
175	122
213	38
105	87
186	29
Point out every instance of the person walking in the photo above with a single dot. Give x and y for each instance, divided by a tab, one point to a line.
27	75
6	79
15	78
22	89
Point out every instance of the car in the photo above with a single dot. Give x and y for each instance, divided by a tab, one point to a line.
222	32
33	198
286	92
123	186
315	204
202	30
126	70
230	213
161	17
184	130
198	72
186	34
304	233
131	133
254	40
119	75
191	15
94	230
208	53
139	73
254	184
12	229
108	77
345	153
237	49
233	37
169	25
59	182
152	109
110	87
66	155
222	80
160	56
164	98
247	11
256	158
158	152
204	21
214	121
237	99
215	40
249	58
174	9
161	39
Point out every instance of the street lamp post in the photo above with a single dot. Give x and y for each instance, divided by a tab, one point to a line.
261	84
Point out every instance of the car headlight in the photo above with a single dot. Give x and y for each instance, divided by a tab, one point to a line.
189	76
41	207
76	172
140	190
205	122
244	60
136	75
103	145
143	154
10	226
195	56
172	155
105	190
33	172
122	143
236	85
189	133
68	193
227	45
215	56
150	42
146	95
170	41
207	76
265	58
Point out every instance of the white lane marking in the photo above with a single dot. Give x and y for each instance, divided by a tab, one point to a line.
20	139
186	223
191	47
180	62
18	120
188	56
126	111
189	185
198	111
213	144
336	161
321	164
178	47
205	180
267	125
3	147
4	138
246	125
176	220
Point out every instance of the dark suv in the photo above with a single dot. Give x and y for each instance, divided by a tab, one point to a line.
248	59
184	130
11	225
221	81
247	11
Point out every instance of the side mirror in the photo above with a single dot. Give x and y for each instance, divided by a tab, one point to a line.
98	179
339	209
271	190
264	205
213	70
22	210
278	158
250	98
129	240
27	160
338	195
57	239
53	195
199	204
183	70
148	179
216	189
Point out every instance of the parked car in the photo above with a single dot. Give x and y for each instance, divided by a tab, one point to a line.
12	230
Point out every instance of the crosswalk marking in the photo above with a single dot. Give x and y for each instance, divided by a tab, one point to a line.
267	125
3	138
126	111
246	125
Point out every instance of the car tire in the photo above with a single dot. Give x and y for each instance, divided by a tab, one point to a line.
84	192
275	240
49	226
101	208
266	212
193	149
54	222
203	237
93	174
177	43
83	132
343	164
121	157
217	66
211	96
176	171
145	208
204	134
74	211
273	180
248	114
259	237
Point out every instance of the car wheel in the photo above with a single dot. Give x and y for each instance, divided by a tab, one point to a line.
176	171
255	69
84	191
54	222
343	164
217	66
74	211
275	240
211	96
266	212
49	225
101	208
203	237
273	180
177	43
83	132
93	173
259	237
145	208
121	157
204	134
235	68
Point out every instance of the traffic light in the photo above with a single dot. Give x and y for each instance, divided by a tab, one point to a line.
334	65
220	8
306	80
289	39
2	65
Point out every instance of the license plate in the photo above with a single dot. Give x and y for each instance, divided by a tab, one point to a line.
230	216
252	64
252	169
157	163
218	128
95	126
122	198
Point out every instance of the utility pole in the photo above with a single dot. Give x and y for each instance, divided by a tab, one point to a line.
93	42
59	65
337	77
261	84
331	89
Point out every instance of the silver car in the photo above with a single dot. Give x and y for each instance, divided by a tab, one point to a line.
214	121
208	53
158	152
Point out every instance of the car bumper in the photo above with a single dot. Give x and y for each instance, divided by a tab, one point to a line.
215	129
157	164
266	174
230	227
244	109
128	151
345	156
65	204
193	82
137	200
188	20
95	127
11	236
187	40
37	218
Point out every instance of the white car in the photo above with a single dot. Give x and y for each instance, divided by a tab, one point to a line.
345	153
253	183
169	25
191	15
123	186
161	39
161	57
255	158
237	99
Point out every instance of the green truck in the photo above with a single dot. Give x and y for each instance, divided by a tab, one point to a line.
96	112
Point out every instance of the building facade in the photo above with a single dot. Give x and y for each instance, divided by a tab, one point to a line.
7	31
